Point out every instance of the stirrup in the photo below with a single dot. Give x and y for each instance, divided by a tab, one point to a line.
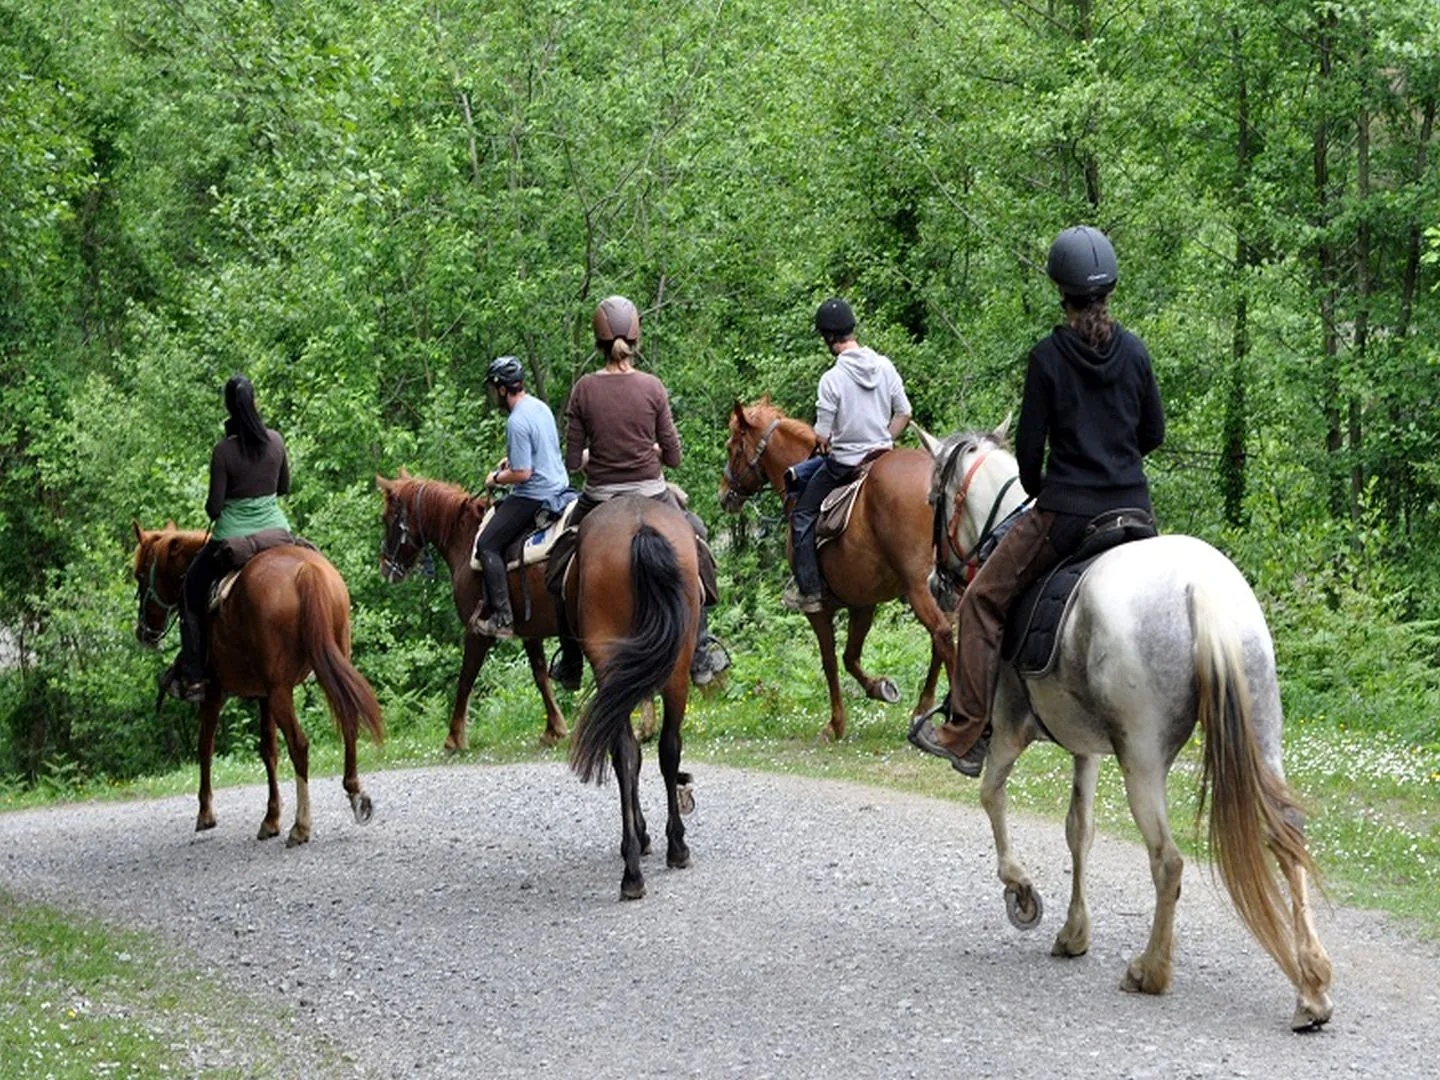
922	737
710	659
491	626
567	675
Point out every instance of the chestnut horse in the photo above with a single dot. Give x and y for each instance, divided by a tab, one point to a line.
884	553
288	614
419	512
634	593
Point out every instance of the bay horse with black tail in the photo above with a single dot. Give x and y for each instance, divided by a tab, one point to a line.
634	593
884	552
418	512
288	614
1160	635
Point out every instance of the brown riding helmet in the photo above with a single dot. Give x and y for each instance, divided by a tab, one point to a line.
616	317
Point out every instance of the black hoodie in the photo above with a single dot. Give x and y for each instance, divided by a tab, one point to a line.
1100	412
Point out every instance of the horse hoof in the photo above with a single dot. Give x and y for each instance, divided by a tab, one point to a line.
679	861
1024	914
267	831
452	747
685	797
632	890
202	823
363	807
1312	1016
886	690
552	738
297	837
1140	980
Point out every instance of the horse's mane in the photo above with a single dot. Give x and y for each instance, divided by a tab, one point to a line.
153	547
763	411
437	504
956	447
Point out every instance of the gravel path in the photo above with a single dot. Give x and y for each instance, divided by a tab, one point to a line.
824	929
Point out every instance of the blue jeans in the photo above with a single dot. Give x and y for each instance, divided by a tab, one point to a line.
824	479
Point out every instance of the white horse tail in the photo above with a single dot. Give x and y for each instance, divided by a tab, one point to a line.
1251	808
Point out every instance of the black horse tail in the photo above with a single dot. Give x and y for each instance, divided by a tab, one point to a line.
352	700
642	662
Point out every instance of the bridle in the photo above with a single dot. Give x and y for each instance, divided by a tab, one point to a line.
146	595
395	561
734	497
947	534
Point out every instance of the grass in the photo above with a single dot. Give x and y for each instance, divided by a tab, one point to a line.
81	999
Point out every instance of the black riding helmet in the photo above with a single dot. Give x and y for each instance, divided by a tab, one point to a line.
1082	262
834	317
506	371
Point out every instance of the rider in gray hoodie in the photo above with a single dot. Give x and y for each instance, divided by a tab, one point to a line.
860	407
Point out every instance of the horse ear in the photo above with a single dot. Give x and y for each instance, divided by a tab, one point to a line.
403	474
765	398
171	525
139	532
383	484
740	414
1002	433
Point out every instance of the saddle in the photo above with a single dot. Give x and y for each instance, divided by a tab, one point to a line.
1032	627
239	550
836	508
533	547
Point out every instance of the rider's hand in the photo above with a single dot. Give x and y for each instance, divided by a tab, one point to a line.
492	481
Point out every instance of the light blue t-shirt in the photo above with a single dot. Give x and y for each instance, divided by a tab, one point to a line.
531	442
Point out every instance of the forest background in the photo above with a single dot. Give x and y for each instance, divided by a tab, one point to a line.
360	204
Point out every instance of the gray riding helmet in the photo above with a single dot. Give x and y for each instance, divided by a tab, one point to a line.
1082	262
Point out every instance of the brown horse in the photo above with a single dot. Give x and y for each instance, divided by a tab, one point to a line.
419	512
884	552
634	593
287	615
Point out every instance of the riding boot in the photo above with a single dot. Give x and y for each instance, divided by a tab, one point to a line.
568	665
498	619
711	657
185	680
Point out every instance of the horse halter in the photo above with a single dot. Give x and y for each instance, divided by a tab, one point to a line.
395	561
734	498
947	533
146	595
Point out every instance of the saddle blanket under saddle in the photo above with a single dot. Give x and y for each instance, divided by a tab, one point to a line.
1032	628
531	548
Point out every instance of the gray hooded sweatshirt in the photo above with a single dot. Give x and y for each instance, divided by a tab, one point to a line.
858	397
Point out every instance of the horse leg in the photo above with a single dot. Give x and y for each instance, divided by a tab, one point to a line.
270	826
677	853
625	756
823	623
282	704
881	689
1074	936
942	642
1312	1006
554	719
1149	973
1022	902
476	648
209	720
641	829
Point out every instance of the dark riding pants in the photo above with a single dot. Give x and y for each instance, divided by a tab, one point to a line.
513	518
1036	542
195	598
825	479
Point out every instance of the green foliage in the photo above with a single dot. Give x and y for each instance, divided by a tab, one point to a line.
359	205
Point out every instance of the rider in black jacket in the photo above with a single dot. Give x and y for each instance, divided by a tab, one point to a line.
1091	396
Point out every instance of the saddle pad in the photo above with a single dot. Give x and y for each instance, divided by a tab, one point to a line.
836	509
1032	629
531	548
221	589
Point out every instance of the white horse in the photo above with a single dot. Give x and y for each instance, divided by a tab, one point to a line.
1162	633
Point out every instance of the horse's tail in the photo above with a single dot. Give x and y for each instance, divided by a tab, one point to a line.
351	698
642	662
1251	808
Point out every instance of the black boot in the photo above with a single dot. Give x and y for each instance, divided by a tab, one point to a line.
498	622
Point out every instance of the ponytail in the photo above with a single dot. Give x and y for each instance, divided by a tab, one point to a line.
244	422
619	352
1089	316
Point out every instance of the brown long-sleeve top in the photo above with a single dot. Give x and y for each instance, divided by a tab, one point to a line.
235	476
620	417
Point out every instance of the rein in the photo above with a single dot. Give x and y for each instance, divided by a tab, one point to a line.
393	560
734	497
146	594
968	561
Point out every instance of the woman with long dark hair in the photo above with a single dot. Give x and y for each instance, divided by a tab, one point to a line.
248	469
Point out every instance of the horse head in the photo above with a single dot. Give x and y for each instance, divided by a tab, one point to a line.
974	485
763	443
417	512
161	558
